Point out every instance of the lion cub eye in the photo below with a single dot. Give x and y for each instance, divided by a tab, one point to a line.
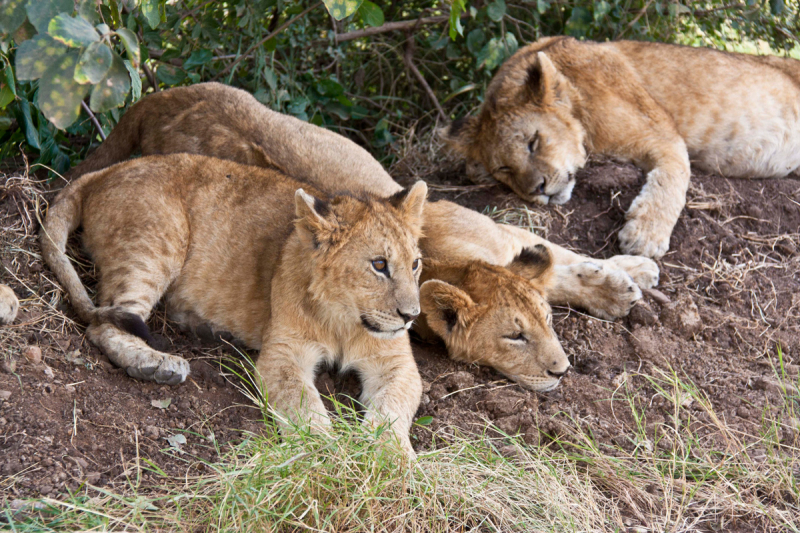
381	266
517	337
534	143
415	264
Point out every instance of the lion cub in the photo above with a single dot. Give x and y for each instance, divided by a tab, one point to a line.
304	279
659	106
496	316
8	305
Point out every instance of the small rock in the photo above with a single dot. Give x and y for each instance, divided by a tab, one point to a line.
764	384
46	489
5	394
426	386
81	462
425	400
153	431
459	381
92	478
643	314
8	366
438	391
510	451
682	316
48	373
33	354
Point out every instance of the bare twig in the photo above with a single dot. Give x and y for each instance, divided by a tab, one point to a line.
94	120
390	26
408	59
267	38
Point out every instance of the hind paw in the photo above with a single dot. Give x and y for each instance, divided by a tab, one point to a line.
172	370
605	292
644	271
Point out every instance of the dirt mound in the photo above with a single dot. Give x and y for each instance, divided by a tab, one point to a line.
729	296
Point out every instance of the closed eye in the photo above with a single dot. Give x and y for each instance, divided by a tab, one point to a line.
533	144
517	337
502	170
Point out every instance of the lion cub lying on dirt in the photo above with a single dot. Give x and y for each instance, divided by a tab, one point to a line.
656	105
217	120
8	305
305	279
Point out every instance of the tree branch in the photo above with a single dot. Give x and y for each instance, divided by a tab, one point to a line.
94	120
390	26
408	59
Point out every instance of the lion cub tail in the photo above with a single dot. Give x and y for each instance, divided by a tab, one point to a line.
64	217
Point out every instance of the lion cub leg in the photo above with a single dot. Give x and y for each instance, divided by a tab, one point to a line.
129	289
391	391
287	371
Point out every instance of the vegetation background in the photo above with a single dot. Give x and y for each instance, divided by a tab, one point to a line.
373	71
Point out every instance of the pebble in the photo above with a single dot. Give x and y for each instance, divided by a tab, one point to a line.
459	380
8	366
48	373
5	394
33	354
93	477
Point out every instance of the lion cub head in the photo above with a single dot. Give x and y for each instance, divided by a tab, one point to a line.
526	134
489	315
365	259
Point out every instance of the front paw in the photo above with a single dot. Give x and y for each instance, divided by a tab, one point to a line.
644	271
649	238
605	292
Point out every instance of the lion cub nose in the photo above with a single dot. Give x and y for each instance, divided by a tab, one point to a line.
559	374
408	317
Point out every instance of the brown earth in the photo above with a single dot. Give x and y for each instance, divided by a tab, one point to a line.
732	280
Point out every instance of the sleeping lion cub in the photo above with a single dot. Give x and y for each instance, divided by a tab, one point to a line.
303	278
656	105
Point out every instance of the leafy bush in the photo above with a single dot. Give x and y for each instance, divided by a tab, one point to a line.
369	69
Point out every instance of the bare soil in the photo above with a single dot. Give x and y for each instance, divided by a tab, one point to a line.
732	279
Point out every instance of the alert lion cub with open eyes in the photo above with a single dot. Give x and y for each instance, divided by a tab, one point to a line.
303	278
659	106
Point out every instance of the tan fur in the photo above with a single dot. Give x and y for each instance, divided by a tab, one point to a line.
656	105
183	119
491	316
248	251
9	305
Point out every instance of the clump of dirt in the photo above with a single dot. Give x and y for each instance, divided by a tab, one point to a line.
729	296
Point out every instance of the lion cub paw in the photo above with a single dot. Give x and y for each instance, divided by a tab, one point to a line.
644	238
644	271
607	293
170	371
8	305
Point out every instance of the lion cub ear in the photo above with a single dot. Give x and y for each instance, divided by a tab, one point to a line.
536	265
460	135
311	213
411	203
446	307
545	84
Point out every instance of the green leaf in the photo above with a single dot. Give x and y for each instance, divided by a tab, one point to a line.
491	55
603	8
36	55
340	9
371	14
511	44
197	59
131	43
41	11
496	10
136	81
72	31
87	9
94	64
456	8
776	7
60	95
475	41
6	96
31	133
329	88
170	75
579	21
111	92
12	15
542	6
152	12
424	420
9	73
176	440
